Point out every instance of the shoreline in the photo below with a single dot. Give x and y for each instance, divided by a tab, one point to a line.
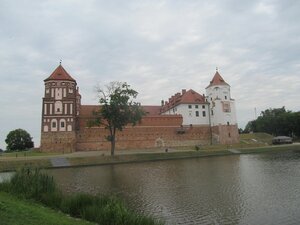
84	159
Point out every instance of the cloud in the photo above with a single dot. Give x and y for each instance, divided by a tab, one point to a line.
159	47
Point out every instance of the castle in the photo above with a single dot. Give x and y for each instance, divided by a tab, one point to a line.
186	119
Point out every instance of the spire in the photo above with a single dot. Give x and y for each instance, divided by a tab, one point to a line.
60	74
217	80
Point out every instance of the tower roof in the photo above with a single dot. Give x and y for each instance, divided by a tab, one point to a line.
217	80
60	74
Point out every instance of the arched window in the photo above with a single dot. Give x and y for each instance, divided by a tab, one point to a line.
54	125
62	125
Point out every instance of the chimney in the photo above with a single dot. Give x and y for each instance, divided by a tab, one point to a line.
183	91
162	102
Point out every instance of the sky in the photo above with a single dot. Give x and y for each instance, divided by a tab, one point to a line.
158	47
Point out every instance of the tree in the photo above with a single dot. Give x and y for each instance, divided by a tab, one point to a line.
117	109
18	140
250	127
278	121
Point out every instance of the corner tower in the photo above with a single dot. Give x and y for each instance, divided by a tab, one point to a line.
61	105
222	111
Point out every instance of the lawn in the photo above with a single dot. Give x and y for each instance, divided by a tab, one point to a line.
14	211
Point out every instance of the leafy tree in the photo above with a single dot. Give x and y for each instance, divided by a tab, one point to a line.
18	140
250	127
276	121
117	109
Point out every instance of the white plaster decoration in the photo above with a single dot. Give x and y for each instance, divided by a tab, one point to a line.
69	128
58	93
58	107
46	128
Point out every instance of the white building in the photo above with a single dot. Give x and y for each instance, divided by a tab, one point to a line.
216	110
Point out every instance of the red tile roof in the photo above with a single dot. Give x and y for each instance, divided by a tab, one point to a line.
186	97
217	80
152	110
87	110
60	74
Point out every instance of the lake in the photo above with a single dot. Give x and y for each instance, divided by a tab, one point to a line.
238	189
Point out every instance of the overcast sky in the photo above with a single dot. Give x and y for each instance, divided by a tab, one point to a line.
159	47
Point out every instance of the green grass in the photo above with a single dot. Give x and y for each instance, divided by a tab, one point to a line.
15	211
27	153
256	137
10	164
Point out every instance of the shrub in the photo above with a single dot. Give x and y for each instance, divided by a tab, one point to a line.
31	183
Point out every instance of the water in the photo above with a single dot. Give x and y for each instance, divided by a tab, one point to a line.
5	176
245	189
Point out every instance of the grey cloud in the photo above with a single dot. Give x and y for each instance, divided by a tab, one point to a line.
159	47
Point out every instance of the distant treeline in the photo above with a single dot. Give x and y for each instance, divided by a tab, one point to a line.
278	121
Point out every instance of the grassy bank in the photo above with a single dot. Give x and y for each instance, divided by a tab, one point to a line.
10	164
15	211
144	157
32	185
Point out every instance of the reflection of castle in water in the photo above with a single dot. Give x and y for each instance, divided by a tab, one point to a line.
186	119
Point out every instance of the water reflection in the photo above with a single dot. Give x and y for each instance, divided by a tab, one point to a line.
246	189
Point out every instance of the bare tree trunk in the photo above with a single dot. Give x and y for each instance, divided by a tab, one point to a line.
113	141
113	144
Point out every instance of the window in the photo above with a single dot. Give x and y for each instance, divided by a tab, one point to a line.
229	135
190	106
227	123
212	112
196	106
203	106
58	110
203	113
53	124
190	113
197	113
62	124
225	97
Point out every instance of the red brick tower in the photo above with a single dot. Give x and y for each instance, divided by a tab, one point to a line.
61	105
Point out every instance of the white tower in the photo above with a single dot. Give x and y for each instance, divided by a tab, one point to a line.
222	111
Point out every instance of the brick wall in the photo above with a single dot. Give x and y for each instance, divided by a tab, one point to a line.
225	134
142	137
58	141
